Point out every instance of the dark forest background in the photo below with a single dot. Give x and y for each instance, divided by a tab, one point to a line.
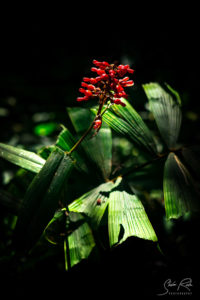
41	67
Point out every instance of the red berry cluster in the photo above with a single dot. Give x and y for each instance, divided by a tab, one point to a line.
108	85
109	82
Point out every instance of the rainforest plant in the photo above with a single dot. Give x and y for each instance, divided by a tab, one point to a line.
110	207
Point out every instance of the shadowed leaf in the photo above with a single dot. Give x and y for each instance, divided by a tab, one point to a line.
165	106
179	194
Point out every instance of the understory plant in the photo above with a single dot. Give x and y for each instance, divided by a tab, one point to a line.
77	196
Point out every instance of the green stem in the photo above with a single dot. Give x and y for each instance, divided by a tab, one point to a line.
89	129
81	139
136	168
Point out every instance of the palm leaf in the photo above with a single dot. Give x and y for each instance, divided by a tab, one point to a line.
140	130
23	158
165	106
127	217
66	141
125	212
179	193
41	199
131	125
79	244
93	203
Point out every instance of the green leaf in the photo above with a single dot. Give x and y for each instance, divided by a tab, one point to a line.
79	244
89	204
179	191
127	121
126	214
127	217
25	159
81	118
73	230
140	130
66	141
99	147
165	106
41	199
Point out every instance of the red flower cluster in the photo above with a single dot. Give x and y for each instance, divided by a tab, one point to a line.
108	85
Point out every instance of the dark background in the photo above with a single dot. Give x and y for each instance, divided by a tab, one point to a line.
41	67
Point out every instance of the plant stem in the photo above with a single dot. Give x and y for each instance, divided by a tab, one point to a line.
90	128
136	168
81	139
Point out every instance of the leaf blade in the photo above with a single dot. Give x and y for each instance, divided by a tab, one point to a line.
127	217
165	106
40	200
98	148
22	158
179	193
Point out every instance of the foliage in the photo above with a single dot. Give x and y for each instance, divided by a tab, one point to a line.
107	204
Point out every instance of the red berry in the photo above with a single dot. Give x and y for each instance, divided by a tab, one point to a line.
119	88
98	201
81	90
97	124
128	83
91	87
94	69
88	93
131	71
86	79
93	80
85	98
84	84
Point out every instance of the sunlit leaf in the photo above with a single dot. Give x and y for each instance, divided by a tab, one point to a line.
127	217
140	129
126	214
93	203
131	125
23	158
179	193
165	106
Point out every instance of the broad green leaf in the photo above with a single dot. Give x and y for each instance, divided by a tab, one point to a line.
140	130
73	230
66	141
179	193
165	106
130	125
41	199
127	217
25	159
81	118
61	226
93	203
99	147
79	243
126	214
